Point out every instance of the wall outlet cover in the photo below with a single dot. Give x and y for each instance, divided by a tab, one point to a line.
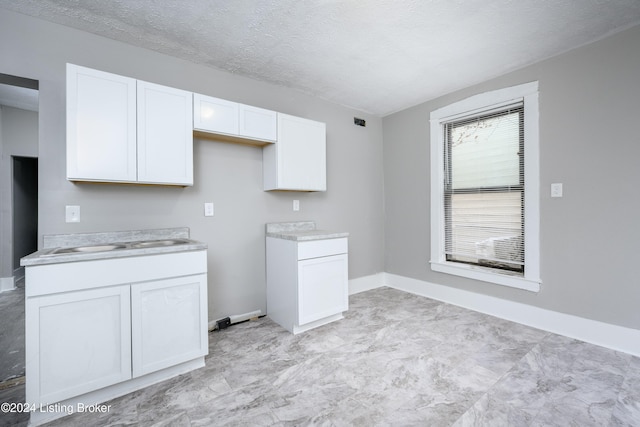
72	213
208	209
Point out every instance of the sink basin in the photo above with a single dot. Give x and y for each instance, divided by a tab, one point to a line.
97	248
85	249
117	246
156	243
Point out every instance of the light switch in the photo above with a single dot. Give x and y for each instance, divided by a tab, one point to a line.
556	190
72	213
296	205
208	209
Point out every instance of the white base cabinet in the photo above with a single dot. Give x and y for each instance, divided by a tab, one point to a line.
321	292
307	282
99	329
84	342
166	323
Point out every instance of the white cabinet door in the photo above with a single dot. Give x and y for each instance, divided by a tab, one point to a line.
322	287
297	161
168	322
101	125
215	115
243	123
83	344
258	123
165	135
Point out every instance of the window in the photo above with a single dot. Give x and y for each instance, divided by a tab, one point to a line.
484	188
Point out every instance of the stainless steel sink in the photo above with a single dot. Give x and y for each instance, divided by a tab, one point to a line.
117	246
83	249
157	243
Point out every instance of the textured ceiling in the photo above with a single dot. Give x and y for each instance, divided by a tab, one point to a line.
378	56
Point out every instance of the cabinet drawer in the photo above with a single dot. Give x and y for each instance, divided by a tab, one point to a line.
75	276
320	248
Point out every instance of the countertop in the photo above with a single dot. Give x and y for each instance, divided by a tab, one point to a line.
125	238
300	231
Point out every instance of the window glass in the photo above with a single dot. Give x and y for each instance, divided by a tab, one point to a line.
485	151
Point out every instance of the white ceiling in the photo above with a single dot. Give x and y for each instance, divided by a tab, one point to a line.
377	56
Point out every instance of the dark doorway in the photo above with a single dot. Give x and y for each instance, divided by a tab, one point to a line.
25	209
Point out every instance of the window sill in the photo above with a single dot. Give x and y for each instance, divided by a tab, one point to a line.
486	275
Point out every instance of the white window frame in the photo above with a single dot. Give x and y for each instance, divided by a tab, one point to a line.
478	104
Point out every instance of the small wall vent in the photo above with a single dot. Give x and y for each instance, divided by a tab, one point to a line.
359	122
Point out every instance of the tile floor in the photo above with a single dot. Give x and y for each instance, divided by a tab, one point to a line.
12	333
395	360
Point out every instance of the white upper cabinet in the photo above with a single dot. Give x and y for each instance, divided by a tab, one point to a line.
234	121
165	135
297	161
257	123
123	130
101	126
215	115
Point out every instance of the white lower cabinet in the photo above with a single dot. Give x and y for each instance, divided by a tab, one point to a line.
99	329
165	323
307	282
321	290
84	342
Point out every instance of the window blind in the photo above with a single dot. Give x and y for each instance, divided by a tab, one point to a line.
484	189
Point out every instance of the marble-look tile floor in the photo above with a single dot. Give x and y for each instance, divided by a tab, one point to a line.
12	359
395	360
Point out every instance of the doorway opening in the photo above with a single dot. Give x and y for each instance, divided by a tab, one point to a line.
25	211
19	105
19	135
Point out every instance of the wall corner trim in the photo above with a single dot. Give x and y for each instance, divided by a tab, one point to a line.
7	284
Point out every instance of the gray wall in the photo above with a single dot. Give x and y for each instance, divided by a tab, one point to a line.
228	175
18	137
590	141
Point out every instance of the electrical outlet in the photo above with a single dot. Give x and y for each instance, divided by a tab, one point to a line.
72	213
556	190
296	205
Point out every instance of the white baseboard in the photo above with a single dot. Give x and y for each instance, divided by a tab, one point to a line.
7	283
366	283
595	332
